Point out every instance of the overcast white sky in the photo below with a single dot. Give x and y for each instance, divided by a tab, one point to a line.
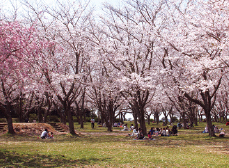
6	5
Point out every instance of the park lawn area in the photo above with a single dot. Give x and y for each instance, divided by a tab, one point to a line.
190	148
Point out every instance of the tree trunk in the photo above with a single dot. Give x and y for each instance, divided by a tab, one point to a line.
20	110
81	119
166	120
142	121
196	119
63	117
109	125
207	105
157	117
39	115
135	120
8	118
209	122
10	125
70	122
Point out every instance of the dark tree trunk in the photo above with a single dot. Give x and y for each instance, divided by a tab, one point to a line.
207	106
39	115
20	110
10	124
166	120
142	120
78	115
109	127
63	117
81	119
135	120
9	120
157	117
70	122
215	117
209	122
196	119
109	123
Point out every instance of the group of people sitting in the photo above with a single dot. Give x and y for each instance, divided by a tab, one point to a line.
137	133
154	132
125	128
163	131
216	130
46	135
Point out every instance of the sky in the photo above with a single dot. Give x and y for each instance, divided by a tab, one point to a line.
98	3
6	5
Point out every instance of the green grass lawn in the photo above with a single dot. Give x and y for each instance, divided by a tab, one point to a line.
190	148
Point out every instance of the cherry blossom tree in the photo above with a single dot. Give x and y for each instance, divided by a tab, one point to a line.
196	50
130	49
19	47
64	65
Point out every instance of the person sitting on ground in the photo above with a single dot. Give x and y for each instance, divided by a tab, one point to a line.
131	127
135	132
149	135
44	134
179	125
115	124
125	128
167	131
50	136
216	130
152	131
140	134
157	132
174	130
163	133
222	133
227	123
205	130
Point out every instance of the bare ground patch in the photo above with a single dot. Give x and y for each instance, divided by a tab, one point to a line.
32	128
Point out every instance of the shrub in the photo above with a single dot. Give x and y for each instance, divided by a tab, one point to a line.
174	119
75	119
53	118
15	120
3	120
32	117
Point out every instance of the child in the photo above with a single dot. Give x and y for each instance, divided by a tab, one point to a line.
50	136
149	135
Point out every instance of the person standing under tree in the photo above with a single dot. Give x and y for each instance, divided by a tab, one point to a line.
92	122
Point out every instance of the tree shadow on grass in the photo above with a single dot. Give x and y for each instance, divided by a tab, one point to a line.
13	159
